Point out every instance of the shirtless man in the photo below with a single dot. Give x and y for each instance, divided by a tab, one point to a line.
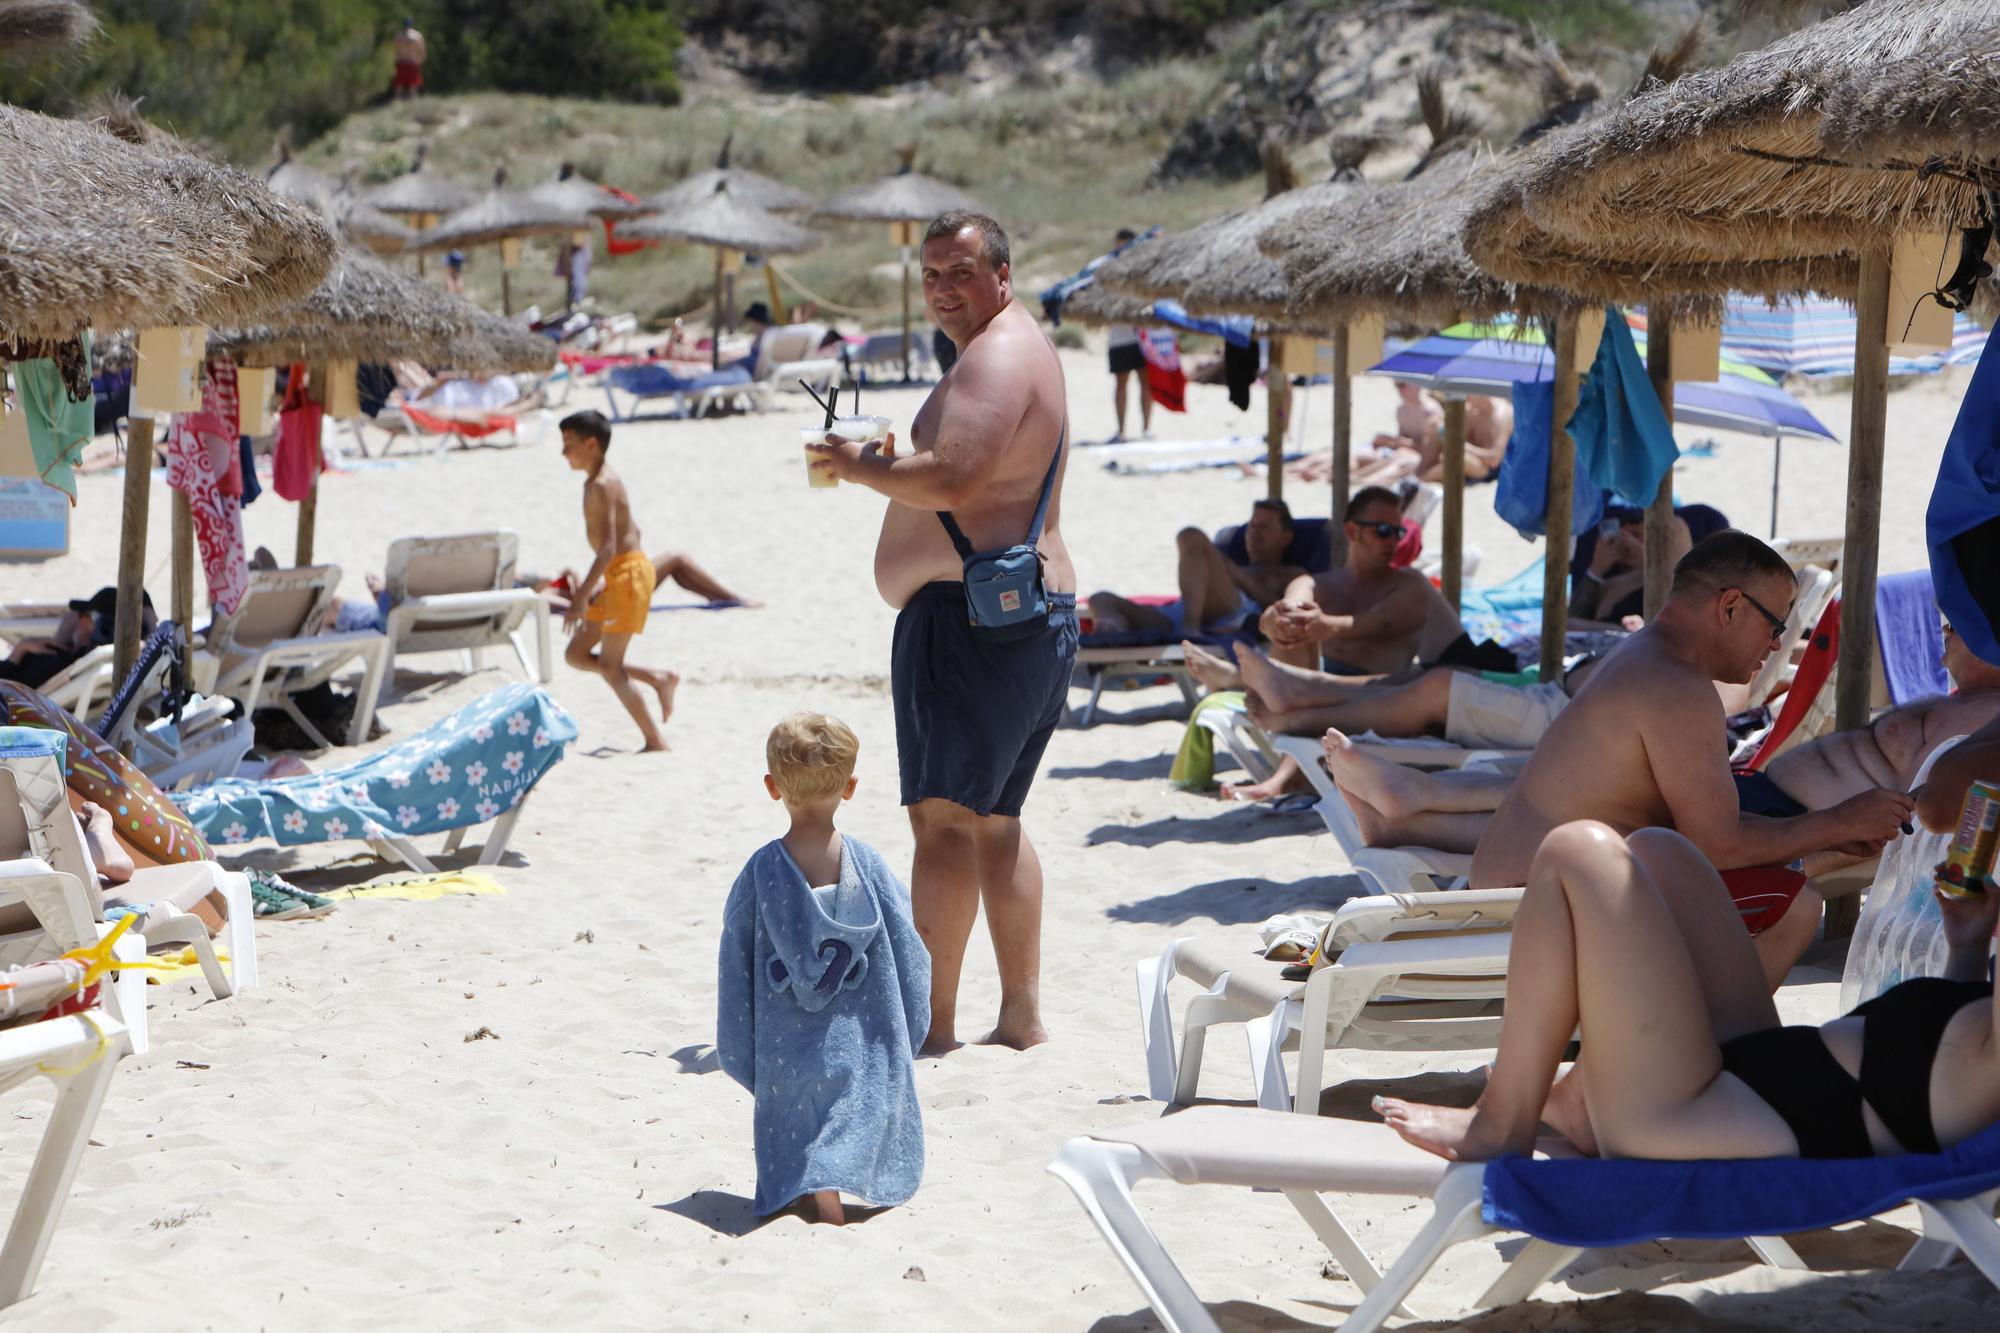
1216	592
409	52
1489	424
1643	745
609	605
974	715
1365	618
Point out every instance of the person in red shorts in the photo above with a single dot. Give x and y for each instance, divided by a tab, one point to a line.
408	49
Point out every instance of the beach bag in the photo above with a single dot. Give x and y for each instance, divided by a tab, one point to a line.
1521	491
1004	596
295	463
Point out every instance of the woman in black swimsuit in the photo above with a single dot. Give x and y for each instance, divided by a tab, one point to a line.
1636	941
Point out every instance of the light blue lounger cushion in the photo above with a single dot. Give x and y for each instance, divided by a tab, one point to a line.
652	380
1601	1204
471	767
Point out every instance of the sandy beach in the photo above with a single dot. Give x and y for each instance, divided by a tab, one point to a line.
336	1149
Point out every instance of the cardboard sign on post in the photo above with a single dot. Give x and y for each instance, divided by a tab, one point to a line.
732	261
168	376
254	390
510	252
902	233
1917	323
1303	356
340	392
1364	342
17	456
1697	352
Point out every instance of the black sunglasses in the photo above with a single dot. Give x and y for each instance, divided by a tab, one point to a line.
1777	622
1383	529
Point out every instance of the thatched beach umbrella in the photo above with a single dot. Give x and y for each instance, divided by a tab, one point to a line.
575	194
497	346
419	196
1774	157
745	186
366	225
502	217
364	311
904	201
29	26
730	226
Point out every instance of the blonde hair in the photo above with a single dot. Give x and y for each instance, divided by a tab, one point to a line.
811	756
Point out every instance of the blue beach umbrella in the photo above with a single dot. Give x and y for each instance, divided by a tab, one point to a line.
1492	358
1816	337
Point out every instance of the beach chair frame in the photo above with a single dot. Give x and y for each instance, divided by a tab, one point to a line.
295	656
456	594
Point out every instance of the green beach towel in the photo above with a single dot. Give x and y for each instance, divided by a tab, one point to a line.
58	426
1194	766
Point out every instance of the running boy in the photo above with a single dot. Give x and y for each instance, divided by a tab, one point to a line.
823	992
607	616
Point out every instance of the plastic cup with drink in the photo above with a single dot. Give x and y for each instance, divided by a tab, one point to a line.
862	430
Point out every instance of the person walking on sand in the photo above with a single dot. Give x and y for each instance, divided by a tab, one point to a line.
974	710
606	616
1128	361
408	50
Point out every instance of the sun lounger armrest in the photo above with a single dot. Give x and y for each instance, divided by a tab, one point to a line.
57	900
470	603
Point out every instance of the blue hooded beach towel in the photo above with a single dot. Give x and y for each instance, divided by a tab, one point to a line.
1622	437
822	998
1963	524
1599	1204
1521	492
456	773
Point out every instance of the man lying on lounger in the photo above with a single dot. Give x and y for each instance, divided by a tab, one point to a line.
1217	594
1643	745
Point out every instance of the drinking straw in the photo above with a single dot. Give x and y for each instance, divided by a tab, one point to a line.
822	402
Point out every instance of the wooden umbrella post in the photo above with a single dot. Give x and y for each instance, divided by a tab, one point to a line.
302	546
715	330
907	374
1562	480
1343	441
183	569
132	545
506	292
1660	513
1856	665
779	313
1277	402
1454	498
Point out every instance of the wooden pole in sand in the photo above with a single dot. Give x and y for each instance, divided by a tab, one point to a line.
1660	513
1562	480
1454	498
1343	442
715	327
183	568
1856	665
302	544
1277	399
132	544
906	229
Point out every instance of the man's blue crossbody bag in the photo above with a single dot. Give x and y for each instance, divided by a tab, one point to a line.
1004	597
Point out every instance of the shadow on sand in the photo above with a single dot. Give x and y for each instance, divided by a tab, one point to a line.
1239	822
1236	902
1153	768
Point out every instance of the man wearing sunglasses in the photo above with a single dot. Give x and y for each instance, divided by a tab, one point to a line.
1643	744
1366	617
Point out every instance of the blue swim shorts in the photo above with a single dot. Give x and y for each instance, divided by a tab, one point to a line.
973	716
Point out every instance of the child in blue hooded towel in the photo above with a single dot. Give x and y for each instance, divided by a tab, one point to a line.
824	992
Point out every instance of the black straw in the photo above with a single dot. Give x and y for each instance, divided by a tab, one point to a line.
822	402
857	397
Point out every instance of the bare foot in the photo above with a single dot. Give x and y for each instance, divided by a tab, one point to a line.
1020	1037
1212	671
828	1204
1455	1133
1273	720
655	747
1286	780
938	1044
1568	1115
1279	690
1395	791
747	603
669	682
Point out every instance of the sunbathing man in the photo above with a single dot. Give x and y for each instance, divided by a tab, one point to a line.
1217	594
1634	940
1643	745
1366	617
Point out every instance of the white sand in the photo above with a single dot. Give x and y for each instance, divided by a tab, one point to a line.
335	1151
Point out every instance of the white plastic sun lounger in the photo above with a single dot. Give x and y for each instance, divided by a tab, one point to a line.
271	648
78	1055
457	594
1391	869
1306	1157
1140	662
1405	972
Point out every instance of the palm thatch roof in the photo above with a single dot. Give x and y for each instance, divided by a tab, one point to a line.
772	196
1097	305
417	193
575	194
98	229
1942	100
44	25
907	196
501	215
719	218
364	311
369	226
1734	163
498	346
295	180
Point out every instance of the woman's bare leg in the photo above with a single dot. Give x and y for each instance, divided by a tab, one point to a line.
1597	942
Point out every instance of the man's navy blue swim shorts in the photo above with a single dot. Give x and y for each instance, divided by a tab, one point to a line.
973	716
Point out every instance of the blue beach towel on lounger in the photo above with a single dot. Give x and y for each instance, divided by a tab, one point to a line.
1600	1204
469	768
651	379
1910	637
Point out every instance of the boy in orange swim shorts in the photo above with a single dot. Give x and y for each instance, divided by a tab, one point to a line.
609	604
